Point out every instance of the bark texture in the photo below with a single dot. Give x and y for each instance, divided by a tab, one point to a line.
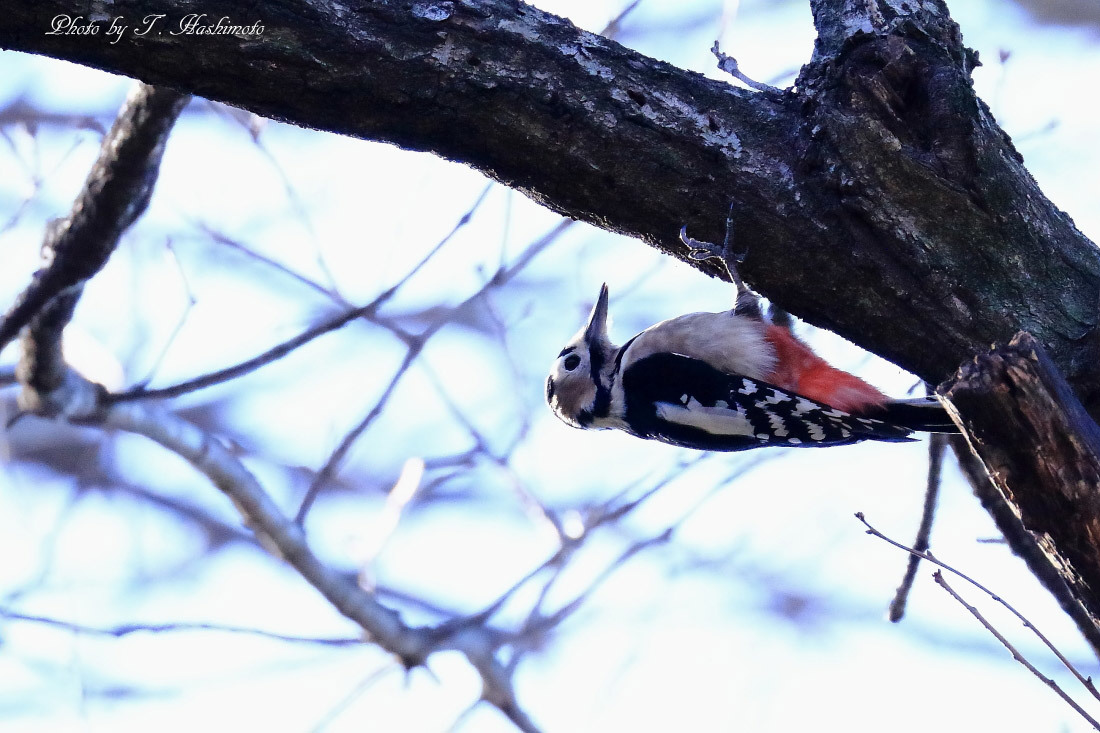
1042	450
878	198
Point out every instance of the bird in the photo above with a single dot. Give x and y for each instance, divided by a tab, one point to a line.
727	381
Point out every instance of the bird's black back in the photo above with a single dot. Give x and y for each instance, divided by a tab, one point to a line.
683	401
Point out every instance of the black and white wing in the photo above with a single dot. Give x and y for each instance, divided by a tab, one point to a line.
684	401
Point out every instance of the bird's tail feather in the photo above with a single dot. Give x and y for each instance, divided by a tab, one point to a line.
925	414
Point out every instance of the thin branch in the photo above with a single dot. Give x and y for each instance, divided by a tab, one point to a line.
558	616
1020	541
614	26
128	629
285	539
1027	624
416	345
605	514
568	545
461	718
280	350
177	329
217	531
336	458
729	65
227	241
249	365
937	444
399	497
538	624
938	575
274	531
347	700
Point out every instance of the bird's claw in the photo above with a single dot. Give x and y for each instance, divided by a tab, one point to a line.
701	251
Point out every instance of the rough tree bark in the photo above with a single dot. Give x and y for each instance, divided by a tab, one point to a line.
878	198
1041	450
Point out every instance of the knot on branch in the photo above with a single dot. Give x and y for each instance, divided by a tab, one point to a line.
73	398
910	93
841	23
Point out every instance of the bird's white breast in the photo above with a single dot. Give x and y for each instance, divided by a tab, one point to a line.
728	342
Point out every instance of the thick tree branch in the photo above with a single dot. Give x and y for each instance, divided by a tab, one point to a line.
116	192
1042	450
878	199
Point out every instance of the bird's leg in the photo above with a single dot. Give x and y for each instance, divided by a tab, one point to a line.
747	302
779	317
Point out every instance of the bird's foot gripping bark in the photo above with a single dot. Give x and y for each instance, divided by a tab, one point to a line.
747	302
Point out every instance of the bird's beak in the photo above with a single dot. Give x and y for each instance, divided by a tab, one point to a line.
596	330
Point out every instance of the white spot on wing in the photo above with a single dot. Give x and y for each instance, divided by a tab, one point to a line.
777	397
802	406
748	388
714	420
778	426
816	433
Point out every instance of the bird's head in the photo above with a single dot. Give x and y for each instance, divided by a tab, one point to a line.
578	379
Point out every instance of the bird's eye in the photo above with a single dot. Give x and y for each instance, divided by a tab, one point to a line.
571	362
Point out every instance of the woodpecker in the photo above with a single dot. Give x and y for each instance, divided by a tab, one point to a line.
725	381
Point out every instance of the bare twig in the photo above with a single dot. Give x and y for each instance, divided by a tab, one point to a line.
937	444
400	496
21	112
274	531
227	241
416	345
728	64
1027	624
280	350
191	301
249	365
129	629
460	719
611	30
938	575
610	512
568	545
537	623
1020	541
360	687
531	503
328	470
